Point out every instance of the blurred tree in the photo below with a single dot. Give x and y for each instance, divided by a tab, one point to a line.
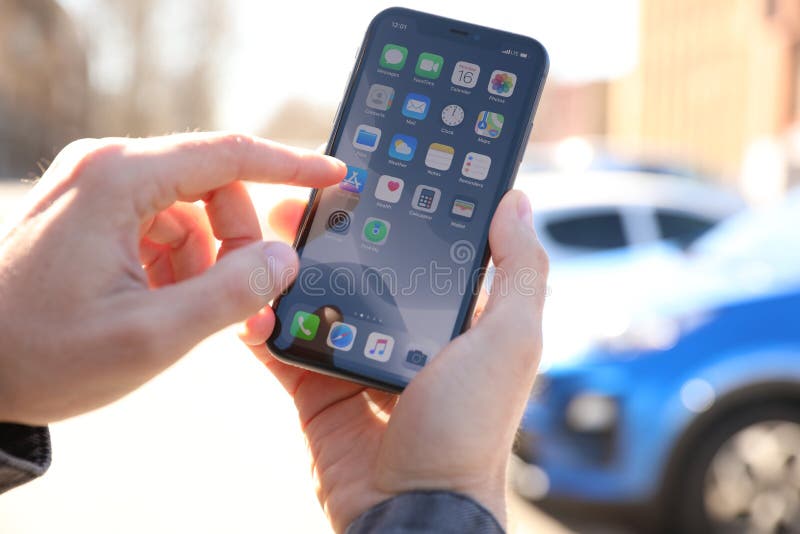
153	64
43	84
301	123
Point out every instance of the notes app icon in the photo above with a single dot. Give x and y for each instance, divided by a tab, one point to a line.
379	347
439	156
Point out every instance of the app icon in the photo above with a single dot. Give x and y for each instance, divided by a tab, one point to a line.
426	198
367	138
463	208
304	325
417	357
476	166
354	180
416	106
453	115
465	74
439	156
489	124
338	222
380	97
393	57
341	336
376	231
403	147
379	347
389	189
501	83
429	65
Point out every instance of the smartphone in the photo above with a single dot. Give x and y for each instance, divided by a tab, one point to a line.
432	128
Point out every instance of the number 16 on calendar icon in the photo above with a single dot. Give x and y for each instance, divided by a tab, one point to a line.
379	347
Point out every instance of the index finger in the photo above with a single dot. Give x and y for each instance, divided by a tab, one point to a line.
188	166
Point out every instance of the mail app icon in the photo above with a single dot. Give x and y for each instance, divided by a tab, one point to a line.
416	106
354	180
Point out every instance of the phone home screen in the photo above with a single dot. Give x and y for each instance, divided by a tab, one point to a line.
430	134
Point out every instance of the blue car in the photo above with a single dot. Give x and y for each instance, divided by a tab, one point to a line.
690	420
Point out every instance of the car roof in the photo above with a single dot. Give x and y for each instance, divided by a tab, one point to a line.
562	190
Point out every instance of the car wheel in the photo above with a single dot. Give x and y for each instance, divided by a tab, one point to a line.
743	475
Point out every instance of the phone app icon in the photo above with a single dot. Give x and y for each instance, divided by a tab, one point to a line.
379	347
465	74
304	325
429	65
403	147
476	166
354	180
380	97
338	222
501	83
439	156
463	208
376	231
389	189
393	57
367	138
489	124
341	336
416	106
426	198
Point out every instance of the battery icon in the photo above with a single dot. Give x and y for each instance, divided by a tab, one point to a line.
523	54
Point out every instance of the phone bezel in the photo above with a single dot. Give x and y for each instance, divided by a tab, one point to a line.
454	29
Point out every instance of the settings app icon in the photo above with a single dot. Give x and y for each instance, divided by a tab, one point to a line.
338	222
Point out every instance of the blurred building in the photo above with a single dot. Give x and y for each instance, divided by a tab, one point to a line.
714	76
43	84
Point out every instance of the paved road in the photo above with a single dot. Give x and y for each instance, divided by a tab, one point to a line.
210	446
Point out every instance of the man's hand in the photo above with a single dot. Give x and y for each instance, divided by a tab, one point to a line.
107	278
453	426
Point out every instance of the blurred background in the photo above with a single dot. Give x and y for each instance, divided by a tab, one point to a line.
662	166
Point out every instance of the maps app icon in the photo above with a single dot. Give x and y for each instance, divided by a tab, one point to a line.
354	180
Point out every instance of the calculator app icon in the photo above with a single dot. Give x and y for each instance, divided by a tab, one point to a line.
426	198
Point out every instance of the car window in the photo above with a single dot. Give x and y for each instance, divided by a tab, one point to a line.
682	228
595	231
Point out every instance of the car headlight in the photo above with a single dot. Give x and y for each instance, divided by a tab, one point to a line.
592	412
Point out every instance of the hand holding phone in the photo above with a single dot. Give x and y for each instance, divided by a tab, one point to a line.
432	128
453	427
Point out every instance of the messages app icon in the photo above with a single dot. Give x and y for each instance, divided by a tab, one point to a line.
403	147
393	57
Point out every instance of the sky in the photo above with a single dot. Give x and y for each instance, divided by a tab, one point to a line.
301	49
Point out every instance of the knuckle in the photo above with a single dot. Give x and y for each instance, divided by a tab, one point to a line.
97	162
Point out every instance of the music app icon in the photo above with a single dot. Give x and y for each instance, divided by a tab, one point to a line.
379	347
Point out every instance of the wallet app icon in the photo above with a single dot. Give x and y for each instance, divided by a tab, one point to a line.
416	106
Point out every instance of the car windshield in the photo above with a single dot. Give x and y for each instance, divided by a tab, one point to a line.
767	237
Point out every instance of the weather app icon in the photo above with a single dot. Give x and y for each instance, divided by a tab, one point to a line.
403	147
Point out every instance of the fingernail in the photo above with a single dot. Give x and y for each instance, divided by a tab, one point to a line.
524	210
337	162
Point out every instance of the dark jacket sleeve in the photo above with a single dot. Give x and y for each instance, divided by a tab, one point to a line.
427	511
24	454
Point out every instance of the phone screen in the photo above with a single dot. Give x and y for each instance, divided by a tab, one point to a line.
432	127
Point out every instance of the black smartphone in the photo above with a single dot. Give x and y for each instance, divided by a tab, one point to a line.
432	127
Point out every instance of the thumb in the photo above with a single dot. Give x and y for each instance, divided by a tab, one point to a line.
242	282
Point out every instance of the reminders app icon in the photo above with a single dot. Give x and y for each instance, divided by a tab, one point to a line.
476	166
367	138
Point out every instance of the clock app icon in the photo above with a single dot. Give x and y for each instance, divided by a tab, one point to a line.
452	115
